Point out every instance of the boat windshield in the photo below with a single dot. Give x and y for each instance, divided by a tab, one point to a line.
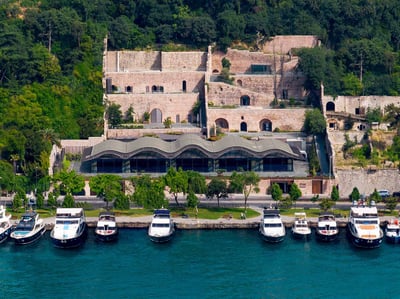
66	222
272	225
160	224
366	221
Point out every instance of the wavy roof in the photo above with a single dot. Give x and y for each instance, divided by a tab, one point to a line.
187	142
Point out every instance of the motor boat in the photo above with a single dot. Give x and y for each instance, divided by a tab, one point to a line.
363	227
301	228
5	224
327	229
162	227
271	226
106	229
392	231
29	228
70	228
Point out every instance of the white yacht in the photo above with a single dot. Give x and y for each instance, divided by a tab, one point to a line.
301	228
29	229
392	231
327	228
162	227
106	229
363	227
271	226
70	228
5	224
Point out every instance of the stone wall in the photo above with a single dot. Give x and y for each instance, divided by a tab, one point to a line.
170	105
142	82
350	104
366	180
253	115
283	44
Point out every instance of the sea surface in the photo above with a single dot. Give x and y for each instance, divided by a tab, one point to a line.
199	264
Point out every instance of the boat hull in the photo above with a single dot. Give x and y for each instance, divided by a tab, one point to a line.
25	240
270	238
71	242
301	236
325	237
5	234
112	237
363	242
161	239
393	239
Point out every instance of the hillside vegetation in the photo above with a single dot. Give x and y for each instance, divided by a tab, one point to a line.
51	57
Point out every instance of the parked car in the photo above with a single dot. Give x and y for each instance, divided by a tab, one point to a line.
396	194
384	193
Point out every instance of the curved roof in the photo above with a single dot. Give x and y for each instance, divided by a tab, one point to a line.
212	149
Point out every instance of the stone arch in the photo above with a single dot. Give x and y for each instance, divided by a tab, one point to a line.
266	125
243	127
222	123
330	106
156	116
245	100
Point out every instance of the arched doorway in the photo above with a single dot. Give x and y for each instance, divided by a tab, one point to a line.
244	100
222	124
330	106
243	127
266	125
156	116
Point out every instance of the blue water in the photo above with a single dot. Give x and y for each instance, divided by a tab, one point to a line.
199	264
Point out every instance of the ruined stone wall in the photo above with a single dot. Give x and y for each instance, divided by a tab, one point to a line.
349	104
241	61
184	61
253	115
366	180
170	105
142	82
282	44
224	94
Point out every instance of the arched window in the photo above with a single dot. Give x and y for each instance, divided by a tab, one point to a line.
244	100
266	125
330	106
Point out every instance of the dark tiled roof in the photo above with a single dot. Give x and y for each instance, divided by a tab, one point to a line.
213	149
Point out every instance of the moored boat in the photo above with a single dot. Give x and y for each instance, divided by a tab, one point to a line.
70	228
271	226
363	227
301	228
106	228
327	228
392	231
162	227
5	224
29	229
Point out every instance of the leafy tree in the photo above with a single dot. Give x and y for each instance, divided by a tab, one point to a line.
391	203
276	192
355	195
176	181
149	193
114	115
326	204
314	122
246	183
217	187
294	192
69	201
335	194
107	187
